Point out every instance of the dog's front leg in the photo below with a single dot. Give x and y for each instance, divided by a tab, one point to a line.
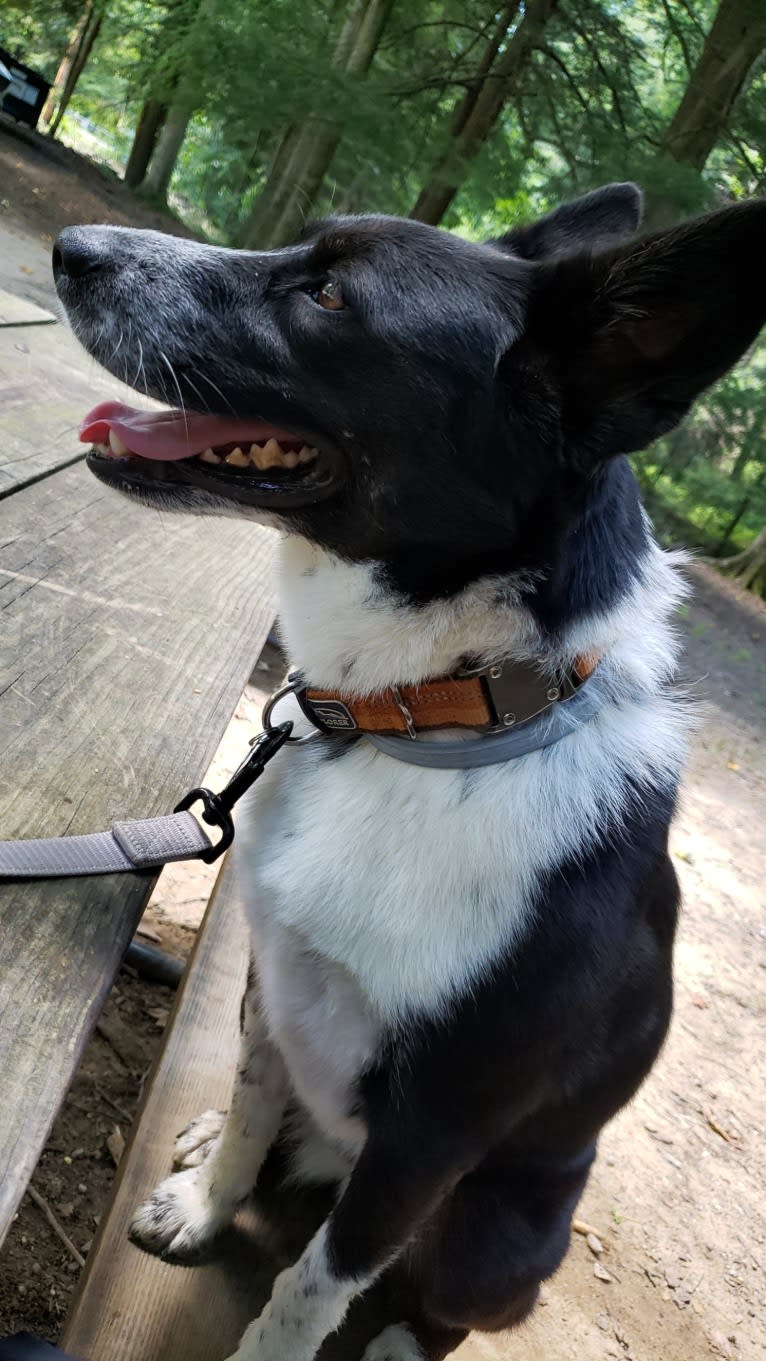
393	1189
220	1154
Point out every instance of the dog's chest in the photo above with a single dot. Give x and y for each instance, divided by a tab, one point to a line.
376	892
364	909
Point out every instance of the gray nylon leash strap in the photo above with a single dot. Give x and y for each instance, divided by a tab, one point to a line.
146	843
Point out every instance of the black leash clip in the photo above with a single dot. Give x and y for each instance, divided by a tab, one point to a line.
217	808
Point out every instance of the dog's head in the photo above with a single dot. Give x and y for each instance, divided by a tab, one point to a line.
397	393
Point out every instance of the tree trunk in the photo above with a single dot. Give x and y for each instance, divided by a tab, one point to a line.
72	67
736	39
167	113
732	525
157	179
733	45
257	228
468	103
749	567
67	61
304	155
148	127
479	111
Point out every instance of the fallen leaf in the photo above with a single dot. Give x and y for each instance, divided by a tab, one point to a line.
724	1133
602	1273
115	1142
595	1244
579	1226
733	765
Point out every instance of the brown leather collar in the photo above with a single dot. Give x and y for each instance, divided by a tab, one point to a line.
491	699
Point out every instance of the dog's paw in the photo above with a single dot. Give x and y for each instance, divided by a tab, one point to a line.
195	1142
394	1344
181	1216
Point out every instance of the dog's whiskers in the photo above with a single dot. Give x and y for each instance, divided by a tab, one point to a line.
140	368
116	349
171	370
205	378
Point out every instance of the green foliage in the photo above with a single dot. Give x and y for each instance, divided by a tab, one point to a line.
38	32
706	482
592	104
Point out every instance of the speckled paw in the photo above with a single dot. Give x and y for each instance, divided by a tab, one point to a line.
180	1217
194	1143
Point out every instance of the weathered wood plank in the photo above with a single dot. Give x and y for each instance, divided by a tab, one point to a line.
47	384
132	1307
16	311
126	638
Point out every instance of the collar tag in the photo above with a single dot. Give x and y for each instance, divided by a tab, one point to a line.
517	691
331	715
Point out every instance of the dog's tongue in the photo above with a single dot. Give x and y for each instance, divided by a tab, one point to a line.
170	434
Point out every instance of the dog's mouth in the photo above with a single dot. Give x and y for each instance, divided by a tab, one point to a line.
247	461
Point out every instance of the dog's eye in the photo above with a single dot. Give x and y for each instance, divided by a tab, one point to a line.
329	296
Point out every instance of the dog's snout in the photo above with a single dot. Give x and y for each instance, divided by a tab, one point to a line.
77	252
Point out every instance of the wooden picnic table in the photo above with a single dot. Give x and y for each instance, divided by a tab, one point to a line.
126	639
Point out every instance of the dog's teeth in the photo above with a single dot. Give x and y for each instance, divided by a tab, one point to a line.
290	459
272	455
116	445
307	455
256	455
238	458
210	456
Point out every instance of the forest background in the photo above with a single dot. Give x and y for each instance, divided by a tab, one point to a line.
248	116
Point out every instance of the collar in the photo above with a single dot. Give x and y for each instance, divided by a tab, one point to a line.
491	700
496	748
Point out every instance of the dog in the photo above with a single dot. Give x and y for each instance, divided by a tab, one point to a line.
460	972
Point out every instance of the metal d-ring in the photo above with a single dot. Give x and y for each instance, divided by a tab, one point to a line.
292	685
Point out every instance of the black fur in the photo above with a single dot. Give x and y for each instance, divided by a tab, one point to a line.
530	1066
478	401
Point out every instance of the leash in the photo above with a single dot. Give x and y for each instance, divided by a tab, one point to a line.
146	843
510	707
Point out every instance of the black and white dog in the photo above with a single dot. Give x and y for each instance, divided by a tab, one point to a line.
461	974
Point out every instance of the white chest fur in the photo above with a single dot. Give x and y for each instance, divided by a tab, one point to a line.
378	889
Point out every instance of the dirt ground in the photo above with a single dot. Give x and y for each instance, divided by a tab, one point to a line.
678	1198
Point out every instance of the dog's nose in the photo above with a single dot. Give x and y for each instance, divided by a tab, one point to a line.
77	252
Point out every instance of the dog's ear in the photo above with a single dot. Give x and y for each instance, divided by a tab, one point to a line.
627	339
596	219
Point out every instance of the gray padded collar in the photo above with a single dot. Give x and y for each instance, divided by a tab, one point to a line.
491	749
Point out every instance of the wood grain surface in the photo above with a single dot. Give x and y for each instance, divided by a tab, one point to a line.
126	638
47	384
18	312
131	1305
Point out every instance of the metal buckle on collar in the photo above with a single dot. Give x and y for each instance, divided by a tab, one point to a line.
517	692
294	685
405	713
